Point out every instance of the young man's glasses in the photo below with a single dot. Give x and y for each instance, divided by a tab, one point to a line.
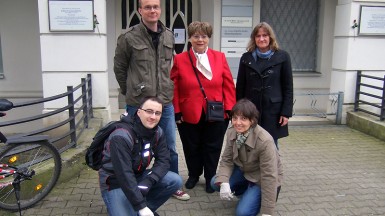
150	8
151	112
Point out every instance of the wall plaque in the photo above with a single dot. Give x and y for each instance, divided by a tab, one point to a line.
372	20
69	15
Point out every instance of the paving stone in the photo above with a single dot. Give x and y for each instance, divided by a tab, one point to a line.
328	171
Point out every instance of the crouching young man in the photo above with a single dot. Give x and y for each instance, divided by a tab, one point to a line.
127	186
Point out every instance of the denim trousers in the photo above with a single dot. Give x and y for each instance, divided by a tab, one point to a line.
118	204
250	194
167	123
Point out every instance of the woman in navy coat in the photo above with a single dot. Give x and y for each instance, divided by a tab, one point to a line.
265	77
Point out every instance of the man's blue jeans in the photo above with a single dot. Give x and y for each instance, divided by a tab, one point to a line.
167	123
118	204
250	194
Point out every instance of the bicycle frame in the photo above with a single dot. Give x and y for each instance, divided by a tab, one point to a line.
23	158
7	105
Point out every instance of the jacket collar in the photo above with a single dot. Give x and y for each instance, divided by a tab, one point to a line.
251	140
144	28
249	61
275	59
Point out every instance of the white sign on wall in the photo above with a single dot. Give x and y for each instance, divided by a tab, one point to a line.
71	15
372	20
180	36
234	42
237	21
233	52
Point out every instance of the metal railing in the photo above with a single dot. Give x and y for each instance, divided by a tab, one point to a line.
363	95
320	105
76	123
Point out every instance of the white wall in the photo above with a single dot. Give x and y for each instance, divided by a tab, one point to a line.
113	14
68	56
354	52
20	42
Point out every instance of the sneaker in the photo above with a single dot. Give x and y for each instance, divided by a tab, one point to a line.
181	195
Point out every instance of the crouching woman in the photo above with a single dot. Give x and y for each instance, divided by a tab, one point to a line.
250	166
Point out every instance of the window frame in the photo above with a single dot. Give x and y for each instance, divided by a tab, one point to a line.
301	66
2	76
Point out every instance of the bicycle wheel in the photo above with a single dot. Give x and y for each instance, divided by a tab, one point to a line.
43	159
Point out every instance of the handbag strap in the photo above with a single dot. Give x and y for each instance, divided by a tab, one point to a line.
196	74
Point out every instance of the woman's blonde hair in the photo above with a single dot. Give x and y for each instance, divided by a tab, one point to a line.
199	27
251	46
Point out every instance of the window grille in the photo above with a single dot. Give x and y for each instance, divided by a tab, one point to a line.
295	23
178	15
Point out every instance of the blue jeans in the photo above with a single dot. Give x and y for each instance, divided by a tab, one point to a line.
167	123
118	204
250	194
276	143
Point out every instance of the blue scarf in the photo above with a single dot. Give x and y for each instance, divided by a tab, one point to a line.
265	55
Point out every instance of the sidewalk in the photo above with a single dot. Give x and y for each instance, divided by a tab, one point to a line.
328	170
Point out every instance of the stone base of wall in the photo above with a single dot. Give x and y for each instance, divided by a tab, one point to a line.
365	123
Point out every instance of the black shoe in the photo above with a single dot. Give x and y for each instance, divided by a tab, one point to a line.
191	182
209	189
156	214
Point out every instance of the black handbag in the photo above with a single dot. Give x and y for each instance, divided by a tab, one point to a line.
215	111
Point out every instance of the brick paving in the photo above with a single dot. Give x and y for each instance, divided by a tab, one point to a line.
328	170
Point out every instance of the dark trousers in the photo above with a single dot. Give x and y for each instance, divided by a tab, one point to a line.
202	145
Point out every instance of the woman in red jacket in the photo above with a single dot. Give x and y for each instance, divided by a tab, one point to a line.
202	140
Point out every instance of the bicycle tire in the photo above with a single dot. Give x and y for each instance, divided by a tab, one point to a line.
44	159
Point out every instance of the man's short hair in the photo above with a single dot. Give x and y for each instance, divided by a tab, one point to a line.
150	98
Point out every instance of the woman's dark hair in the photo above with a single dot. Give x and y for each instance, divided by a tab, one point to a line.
246	108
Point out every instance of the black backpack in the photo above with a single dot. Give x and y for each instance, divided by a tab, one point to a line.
94	152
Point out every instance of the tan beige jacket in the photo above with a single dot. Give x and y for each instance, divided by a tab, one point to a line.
258	159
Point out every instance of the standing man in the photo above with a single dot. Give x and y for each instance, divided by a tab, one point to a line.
142	66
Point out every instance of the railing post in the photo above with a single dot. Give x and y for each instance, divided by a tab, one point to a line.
382	113
89	90
71	113
84	100
357	97
339	107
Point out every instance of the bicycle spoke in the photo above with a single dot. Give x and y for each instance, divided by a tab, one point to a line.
39	166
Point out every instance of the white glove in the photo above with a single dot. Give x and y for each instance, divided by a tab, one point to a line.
145	212
225	192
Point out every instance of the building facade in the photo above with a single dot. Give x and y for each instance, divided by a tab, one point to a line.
37	60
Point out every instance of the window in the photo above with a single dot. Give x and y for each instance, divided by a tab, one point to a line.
295	23
1	63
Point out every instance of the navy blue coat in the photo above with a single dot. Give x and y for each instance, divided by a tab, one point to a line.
269	85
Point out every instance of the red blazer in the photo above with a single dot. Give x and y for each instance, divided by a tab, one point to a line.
188	98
